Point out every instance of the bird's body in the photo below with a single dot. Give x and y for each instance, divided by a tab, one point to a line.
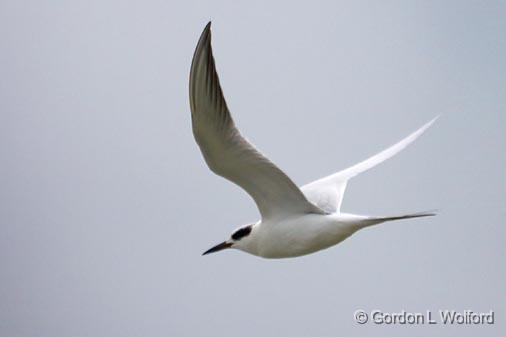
300	234
294	221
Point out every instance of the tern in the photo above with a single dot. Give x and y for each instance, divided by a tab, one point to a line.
294	221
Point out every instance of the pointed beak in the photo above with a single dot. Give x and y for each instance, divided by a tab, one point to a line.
217	248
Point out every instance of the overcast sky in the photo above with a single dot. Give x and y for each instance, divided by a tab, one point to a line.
106	203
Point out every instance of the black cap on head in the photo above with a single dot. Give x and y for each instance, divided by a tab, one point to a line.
241	232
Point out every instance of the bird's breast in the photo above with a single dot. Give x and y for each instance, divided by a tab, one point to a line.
301	235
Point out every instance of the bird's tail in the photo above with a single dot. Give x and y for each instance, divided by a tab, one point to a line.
374	220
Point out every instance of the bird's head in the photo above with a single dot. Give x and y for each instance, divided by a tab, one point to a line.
241	239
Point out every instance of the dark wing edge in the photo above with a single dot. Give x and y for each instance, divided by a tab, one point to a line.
224	149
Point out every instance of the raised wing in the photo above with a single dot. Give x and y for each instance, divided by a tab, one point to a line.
327	193
226	152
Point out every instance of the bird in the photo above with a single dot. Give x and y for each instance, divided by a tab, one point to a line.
294	221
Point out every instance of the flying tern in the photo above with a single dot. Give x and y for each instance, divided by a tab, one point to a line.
294	221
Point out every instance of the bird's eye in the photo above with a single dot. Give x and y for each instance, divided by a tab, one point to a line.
241	232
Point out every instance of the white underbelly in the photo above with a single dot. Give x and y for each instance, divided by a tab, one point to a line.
303	235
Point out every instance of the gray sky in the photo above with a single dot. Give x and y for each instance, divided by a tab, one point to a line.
106	203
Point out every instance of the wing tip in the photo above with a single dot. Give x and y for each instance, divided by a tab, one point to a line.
203	47
420	130
206	34
429	123
204	40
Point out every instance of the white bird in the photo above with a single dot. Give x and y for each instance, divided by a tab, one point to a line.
294	221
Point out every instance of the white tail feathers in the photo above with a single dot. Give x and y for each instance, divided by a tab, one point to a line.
373	220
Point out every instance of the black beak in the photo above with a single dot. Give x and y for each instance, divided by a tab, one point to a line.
217	248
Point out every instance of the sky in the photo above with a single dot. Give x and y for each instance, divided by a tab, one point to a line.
106	203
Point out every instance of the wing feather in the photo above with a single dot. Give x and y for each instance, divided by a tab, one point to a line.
227	152
327	193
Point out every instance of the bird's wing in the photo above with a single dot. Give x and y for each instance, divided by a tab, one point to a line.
327	193
225	150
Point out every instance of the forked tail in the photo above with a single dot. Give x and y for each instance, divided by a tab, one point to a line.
373	220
